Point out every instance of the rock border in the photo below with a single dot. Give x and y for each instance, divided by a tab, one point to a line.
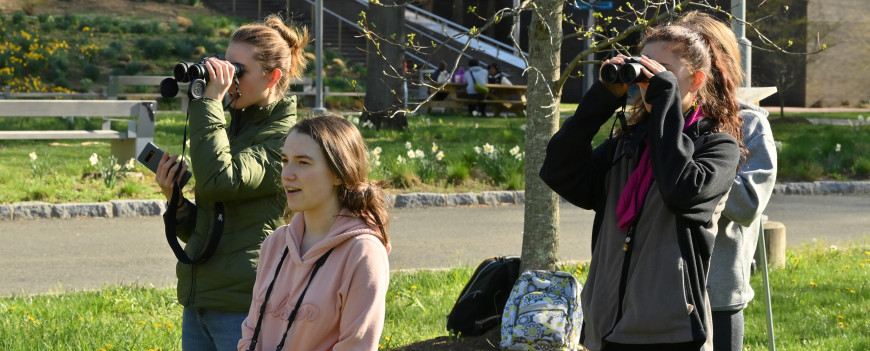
143	208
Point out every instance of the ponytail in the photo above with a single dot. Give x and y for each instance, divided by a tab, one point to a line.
367	201
277	46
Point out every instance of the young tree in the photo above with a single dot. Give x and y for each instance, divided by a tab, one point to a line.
616	30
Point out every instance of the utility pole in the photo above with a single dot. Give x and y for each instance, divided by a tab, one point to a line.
318	58
739	26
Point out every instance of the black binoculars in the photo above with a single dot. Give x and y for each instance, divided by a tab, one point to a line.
196	74
627	73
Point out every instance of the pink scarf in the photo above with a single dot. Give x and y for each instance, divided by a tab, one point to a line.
639	182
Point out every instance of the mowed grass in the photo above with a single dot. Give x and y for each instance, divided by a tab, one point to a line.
821	301
62	173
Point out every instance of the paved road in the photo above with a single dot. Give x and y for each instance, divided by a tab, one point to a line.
41	256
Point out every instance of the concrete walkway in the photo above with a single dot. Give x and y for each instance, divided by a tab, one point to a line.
41	256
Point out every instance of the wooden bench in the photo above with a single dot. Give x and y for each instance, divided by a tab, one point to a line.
497	100
115	89
139	116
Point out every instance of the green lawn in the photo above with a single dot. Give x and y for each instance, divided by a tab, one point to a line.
438	153
821	301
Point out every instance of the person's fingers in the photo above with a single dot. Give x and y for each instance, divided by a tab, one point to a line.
651	67
183	171
212	72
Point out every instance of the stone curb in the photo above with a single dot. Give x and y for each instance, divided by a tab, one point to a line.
139	208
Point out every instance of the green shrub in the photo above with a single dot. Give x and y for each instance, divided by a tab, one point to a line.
133	68
43	17
183	48
156	49
18	17
91	72
861	167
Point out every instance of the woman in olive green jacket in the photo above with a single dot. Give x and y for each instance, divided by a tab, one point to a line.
239	167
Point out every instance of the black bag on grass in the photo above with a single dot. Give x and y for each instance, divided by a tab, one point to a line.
481	302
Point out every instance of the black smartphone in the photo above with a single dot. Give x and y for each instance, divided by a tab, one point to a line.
150	157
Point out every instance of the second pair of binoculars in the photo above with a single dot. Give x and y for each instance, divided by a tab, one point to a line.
627	73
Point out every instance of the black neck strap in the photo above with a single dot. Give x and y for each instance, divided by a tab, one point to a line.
172	210
317	265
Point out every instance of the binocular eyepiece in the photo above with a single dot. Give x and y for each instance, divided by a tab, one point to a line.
627	73
196	74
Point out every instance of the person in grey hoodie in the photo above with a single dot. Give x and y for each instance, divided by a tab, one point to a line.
657	190
475	74
733	250
728	281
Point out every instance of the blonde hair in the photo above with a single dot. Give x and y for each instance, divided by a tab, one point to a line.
276	46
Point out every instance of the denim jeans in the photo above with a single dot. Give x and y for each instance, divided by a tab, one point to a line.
210	330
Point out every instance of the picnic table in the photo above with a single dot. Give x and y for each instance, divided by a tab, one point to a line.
501	98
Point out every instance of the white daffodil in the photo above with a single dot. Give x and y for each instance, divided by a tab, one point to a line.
94	159
408	145
488	148
477	149
355	120
377	163
377	151
411	154
860	118
838	147
439	155
476	125
519	156
130	163
778	145
434	147
419	153
400	159
32	156
523	127
515	150
187	143
116	167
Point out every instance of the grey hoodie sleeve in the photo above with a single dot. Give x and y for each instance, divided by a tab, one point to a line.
755	179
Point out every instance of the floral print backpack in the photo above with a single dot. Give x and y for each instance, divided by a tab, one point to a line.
543	313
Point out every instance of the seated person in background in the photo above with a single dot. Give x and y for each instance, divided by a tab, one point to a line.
440	76
495	76
475	74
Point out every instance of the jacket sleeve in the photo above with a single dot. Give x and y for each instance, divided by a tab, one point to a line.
221	175
363	310
571	167
688	178
756	177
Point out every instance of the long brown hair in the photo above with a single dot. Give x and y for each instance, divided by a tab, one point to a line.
698	52
277	46
345	153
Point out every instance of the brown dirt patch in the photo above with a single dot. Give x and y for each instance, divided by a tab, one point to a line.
153	10
487	341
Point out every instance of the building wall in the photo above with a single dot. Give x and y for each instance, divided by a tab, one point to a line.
839	75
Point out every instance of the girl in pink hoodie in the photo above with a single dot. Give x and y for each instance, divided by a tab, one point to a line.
334	251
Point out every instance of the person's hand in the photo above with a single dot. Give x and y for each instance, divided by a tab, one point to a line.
617	89
166	171
220	75
651	67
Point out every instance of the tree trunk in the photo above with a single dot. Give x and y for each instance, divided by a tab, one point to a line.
541	227
384	93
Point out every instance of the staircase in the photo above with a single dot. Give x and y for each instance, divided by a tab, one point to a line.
341	33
